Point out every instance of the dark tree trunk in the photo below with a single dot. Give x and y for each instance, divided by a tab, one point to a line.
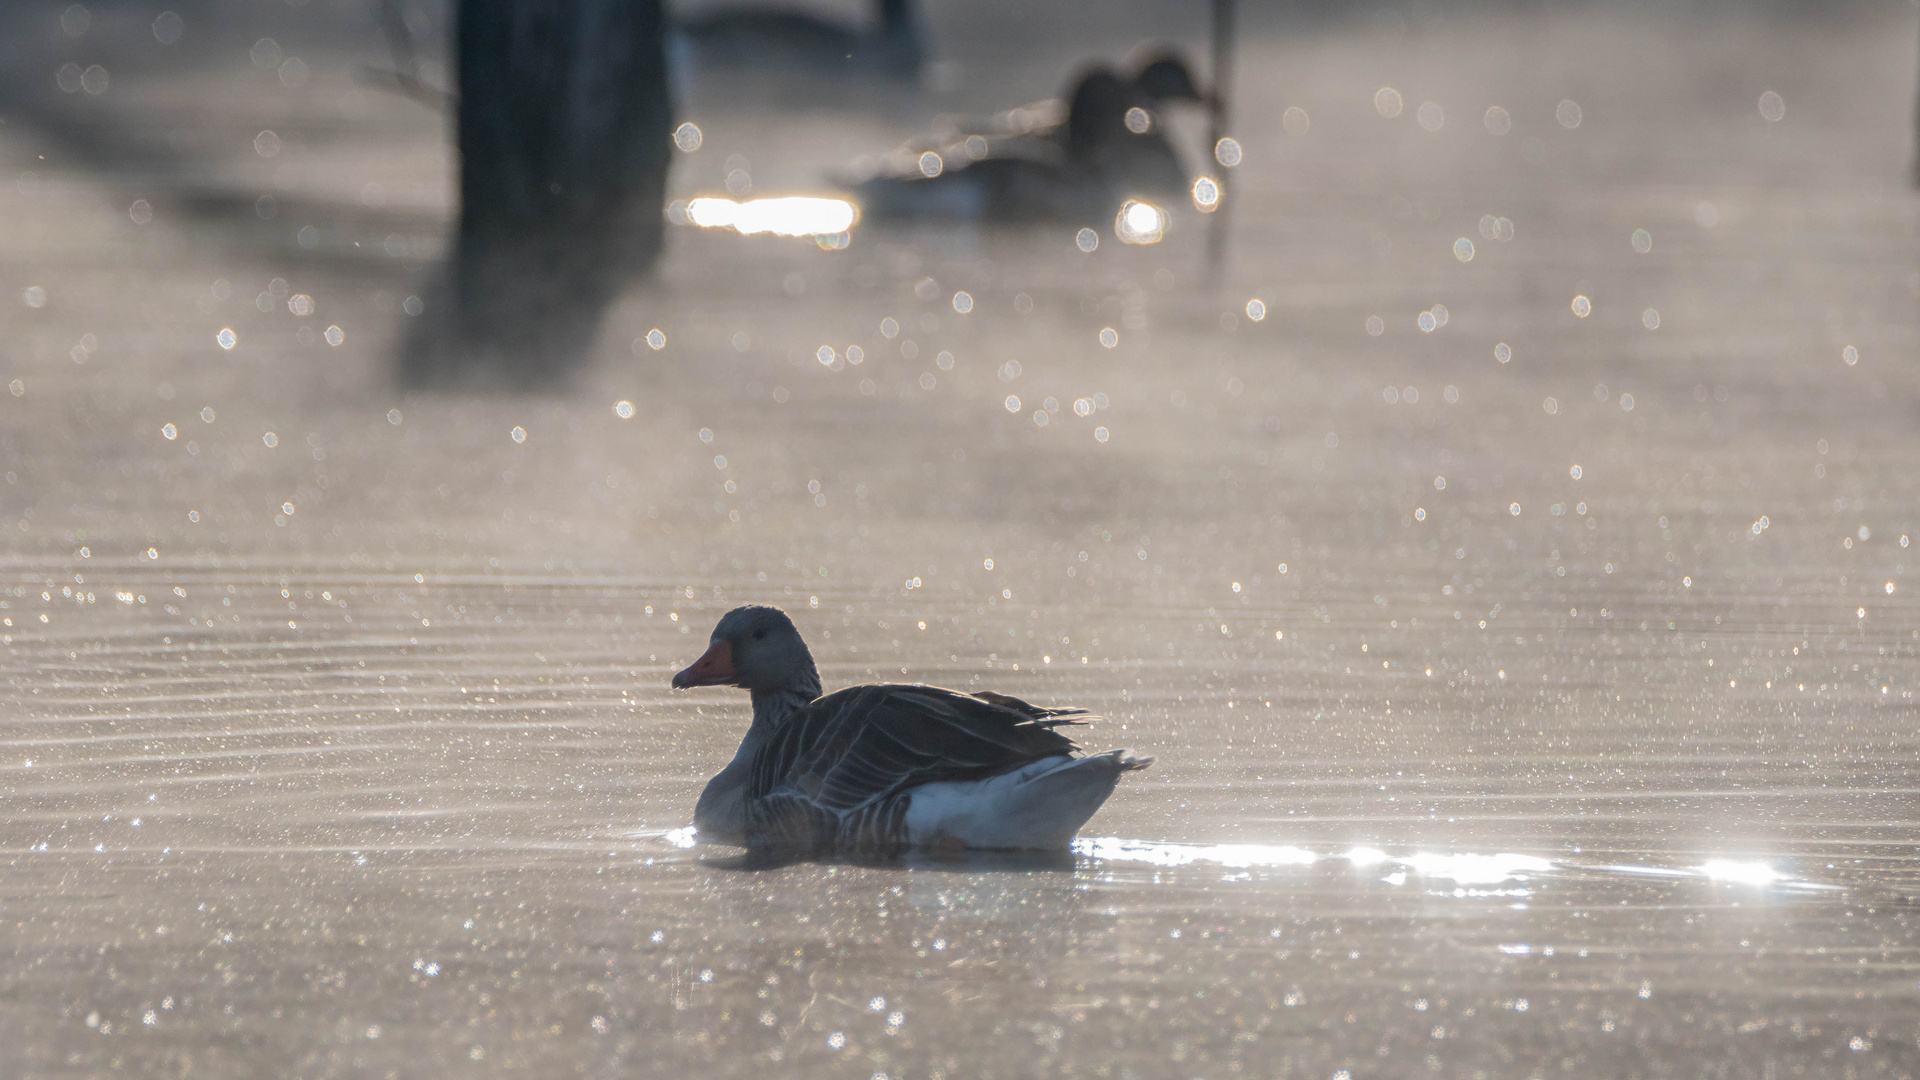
565	137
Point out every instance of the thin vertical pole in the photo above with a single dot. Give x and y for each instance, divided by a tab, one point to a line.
1217	130
1916	132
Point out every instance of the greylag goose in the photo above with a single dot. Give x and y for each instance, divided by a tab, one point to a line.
885	768
1078	169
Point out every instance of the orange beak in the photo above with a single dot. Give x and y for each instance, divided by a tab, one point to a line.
713	669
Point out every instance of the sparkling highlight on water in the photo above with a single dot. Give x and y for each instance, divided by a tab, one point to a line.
792	215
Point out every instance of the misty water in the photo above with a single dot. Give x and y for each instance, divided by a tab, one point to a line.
1533	696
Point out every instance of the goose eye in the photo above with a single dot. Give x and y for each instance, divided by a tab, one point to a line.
759	635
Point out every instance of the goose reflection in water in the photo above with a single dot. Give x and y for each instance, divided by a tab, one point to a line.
1041	162
959	861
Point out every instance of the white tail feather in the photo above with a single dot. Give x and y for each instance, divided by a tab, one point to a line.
1039	806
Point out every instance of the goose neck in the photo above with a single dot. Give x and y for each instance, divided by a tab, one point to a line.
771	708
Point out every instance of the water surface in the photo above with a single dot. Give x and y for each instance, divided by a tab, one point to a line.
349	752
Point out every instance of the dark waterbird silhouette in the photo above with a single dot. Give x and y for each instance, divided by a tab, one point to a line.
881	770
1110	146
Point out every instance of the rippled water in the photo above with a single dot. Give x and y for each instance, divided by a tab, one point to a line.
352	754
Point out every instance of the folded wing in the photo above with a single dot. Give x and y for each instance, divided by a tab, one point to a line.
854	747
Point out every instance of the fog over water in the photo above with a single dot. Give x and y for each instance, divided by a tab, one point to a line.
1533	695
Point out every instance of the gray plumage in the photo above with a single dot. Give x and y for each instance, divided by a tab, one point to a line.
840	773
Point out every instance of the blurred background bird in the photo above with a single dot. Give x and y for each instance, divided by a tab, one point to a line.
1054	160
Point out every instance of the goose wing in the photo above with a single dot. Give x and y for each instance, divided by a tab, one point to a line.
861	744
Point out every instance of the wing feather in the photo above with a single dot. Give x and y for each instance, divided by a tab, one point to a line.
866	743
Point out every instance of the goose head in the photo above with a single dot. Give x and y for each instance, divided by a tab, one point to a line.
1132	160
757	649
1101	99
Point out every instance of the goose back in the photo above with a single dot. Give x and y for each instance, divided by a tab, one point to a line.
837	773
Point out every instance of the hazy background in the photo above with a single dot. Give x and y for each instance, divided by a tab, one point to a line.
336	682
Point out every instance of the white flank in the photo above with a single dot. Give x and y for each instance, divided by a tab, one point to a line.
1038	806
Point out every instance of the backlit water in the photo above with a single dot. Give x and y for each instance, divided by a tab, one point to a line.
348	751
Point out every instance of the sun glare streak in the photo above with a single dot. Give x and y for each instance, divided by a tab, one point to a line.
1741	873
1115	849
1464	870
792	215
1476	869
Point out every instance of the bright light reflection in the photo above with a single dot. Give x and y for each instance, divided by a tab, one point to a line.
1741	873
1115	849
793	215
1464	870
1366	856
1140	223
1476	869
1639	871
